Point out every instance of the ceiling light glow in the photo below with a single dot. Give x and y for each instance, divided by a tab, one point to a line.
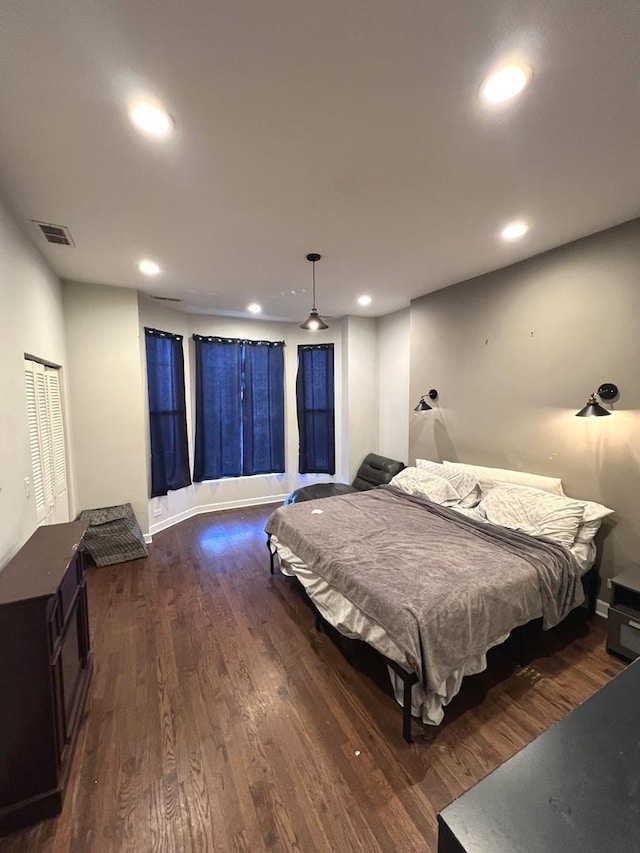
514	231
148	267
151	119
254	308
505	84
364	300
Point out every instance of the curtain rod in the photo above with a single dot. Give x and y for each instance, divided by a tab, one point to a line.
221	340
160	334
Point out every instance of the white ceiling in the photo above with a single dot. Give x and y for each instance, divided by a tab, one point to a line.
344	127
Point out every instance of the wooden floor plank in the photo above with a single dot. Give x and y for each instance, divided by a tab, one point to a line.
219	719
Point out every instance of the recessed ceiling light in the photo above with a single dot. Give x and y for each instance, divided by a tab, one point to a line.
364	300
151	119
505	84
148	267
514	231
254	308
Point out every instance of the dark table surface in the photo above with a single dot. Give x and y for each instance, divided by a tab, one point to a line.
575	788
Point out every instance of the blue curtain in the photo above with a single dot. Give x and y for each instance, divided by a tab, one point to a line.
218	441
239	408
167	412
316	409
263	408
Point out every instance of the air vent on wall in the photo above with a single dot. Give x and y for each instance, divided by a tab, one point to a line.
166	299
55	233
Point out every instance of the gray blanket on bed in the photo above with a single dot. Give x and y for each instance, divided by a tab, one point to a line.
444	587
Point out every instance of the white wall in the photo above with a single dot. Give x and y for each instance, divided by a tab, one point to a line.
360	413
106	397
238	491
395	405
515	353
31	322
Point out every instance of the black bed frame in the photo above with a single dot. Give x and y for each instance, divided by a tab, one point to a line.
520	645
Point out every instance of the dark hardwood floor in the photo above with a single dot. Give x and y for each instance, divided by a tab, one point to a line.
220	720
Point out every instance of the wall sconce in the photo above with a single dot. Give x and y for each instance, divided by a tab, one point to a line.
423	406
593	409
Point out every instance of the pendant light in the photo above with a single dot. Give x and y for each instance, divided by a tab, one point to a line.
314	321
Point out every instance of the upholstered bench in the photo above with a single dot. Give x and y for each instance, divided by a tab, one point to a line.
374	471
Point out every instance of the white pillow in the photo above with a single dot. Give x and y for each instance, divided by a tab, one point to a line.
465	484
588	530
487	477
591	520
592	516
594	511
415	481
585	554
533	511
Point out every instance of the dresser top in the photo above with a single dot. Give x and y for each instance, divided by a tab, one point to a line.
576	788
39	566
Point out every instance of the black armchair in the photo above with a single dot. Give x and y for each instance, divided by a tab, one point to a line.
374	471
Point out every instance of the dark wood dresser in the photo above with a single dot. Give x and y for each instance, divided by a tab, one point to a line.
45	667
575	789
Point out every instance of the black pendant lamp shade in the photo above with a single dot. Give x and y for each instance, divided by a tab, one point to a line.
314	321
593	409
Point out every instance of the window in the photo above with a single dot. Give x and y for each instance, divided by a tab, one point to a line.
46	442
316	409
167	412
239	408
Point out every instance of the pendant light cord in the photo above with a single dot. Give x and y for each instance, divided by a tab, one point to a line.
313	266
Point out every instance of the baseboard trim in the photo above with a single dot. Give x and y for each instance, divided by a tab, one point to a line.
602	608
148	538
200	510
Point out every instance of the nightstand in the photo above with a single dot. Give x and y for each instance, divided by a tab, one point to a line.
623	637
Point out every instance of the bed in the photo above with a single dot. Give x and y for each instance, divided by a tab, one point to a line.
423	575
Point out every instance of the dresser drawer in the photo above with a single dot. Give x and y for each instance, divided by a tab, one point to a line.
623	636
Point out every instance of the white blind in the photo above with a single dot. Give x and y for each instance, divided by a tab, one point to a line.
44	427
34	440
46	440
57	432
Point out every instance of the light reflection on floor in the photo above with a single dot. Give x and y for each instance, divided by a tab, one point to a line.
219	537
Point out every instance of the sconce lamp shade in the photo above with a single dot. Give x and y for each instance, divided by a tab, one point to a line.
593	409
423	406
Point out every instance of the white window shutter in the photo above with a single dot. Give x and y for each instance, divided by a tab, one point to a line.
34	441
57	432
44	428
46	442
